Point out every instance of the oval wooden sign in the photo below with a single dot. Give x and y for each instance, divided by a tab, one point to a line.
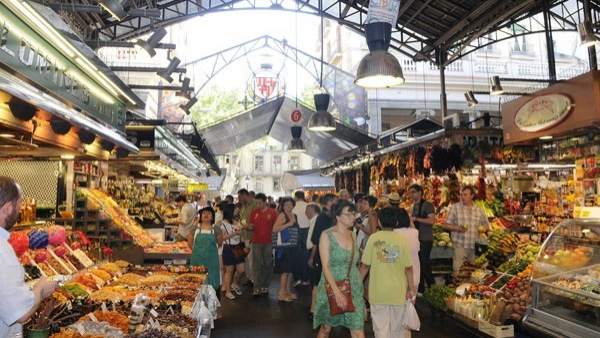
543	112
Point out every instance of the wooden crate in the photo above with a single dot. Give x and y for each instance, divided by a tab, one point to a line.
497	331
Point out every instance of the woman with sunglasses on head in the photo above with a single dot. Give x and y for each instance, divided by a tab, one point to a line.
339	256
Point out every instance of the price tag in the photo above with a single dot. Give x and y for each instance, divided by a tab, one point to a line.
103	307
92	317
69	306
114	307
80	330
170	310
153	313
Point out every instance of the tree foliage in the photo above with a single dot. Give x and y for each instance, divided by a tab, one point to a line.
216	104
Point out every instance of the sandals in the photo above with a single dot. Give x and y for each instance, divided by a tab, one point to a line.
229	296
284	299
236	289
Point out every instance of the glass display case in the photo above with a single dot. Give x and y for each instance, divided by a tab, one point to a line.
566	282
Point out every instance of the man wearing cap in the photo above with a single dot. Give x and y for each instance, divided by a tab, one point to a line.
394	199
18	301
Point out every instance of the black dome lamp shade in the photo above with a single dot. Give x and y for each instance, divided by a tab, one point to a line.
86	137
20	109
107	145
379	68
296	144
322	119
59	126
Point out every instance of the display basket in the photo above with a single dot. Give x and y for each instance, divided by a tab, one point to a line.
496	331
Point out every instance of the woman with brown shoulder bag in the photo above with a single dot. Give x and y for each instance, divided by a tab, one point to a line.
340	299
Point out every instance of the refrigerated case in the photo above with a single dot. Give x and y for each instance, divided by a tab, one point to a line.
566	282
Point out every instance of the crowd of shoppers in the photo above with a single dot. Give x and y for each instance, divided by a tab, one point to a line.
374	245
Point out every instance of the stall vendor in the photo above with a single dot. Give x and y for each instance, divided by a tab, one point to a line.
18	301
464	220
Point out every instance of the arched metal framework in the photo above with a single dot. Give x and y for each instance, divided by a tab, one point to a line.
350	99
424	30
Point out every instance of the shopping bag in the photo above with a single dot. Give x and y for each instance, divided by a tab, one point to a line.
410	320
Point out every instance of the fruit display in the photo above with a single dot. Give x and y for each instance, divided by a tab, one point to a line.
517	297
528	251
568	259
441	238
119	217
513	266
488	210
502	245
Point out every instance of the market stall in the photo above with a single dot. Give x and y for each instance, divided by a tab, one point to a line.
111	299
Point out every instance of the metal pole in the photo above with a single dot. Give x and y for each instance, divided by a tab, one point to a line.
549	42
443	99
587	16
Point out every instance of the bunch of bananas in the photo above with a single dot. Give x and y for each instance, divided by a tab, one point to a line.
502	241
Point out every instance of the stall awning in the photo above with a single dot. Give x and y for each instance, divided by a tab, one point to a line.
19	88
306	179
273	118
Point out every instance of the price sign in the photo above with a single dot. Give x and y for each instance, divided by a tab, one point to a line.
92	317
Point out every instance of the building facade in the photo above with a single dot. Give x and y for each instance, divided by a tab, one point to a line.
523	57
260	165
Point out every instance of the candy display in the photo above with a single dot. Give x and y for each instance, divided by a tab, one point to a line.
96	302
113	318
19	240
57	235
131	279
38	239
119	218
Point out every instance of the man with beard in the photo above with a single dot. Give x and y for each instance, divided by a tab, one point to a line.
19	302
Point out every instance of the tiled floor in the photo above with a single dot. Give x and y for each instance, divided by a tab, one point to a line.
247	317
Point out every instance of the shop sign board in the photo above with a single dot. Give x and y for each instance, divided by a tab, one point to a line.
196	187
30	56
265	86
558	110
296	116
543	112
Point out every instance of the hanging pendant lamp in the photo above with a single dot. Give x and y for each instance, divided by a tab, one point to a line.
471	100
495	86
321	120
296	144
379	68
